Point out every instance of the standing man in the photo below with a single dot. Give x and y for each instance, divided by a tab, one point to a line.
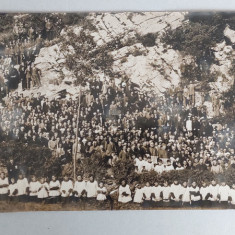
191	89
36	74
12	169
189	124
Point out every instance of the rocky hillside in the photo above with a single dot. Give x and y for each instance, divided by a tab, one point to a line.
151	66
135	45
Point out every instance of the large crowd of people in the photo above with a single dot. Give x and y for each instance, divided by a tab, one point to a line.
121	123
118	122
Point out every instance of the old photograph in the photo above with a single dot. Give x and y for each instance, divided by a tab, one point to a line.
117	111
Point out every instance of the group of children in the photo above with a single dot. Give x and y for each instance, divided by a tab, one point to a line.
52	192
174	195
180	195
149	163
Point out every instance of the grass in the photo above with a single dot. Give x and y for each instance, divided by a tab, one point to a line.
88	206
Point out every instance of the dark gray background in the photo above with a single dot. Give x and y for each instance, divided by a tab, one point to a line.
117	222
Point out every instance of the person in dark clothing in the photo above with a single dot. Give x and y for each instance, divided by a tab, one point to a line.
12	169
13	79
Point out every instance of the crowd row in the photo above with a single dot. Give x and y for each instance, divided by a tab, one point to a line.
180	194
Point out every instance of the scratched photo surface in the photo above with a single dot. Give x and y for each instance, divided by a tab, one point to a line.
117	111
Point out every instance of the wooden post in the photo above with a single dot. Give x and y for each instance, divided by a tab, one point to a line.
76	141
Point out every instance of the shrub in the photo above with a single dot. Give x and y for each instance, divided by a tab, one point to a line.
32	159
147	40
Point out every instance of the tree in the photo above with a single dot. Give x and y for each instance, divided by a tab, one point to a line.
85	58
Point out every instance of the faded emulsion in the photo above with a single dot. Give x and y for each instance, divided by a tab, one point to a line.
115	111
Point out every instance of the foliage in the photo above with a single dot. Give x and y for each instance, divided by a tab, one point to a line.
192	39
86	57
39	161
124	169
181	175
95	165
6	22
32	159
198	35
147	40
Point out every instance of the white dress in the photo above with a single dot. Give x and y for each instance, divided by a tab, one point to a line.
101	196
22	184
159	168
139	165
79	187
204	191
149	166
66	186
213	190
52	192
157	192
5	189
189	125
91	188
224	193
12	188
43	192
232	195
33	188
186	196
121	197
138	198
147	191
193	197
166	190
169	168
177	190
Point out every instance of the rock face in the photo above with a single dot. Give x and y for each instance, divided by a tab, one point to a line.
151	67
154	67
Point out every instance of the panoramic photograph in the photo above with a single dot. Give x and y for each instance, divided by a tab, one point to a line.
117	111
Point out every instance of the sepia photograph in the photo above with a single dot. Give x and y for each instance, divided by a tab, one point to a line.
117	111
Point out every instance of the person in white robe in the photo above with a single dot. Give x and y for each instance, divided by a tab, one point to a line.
138	197
189	124
213	190
156	191
22	186
91	188
4	184
12	191
165	193
223	194
124	192
149	165
204	191
232	196
176	193
34	186
139	163
168	166
43	190
66	190
194	193
101	192
147	194
54	189
186	195
159	168
79	188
